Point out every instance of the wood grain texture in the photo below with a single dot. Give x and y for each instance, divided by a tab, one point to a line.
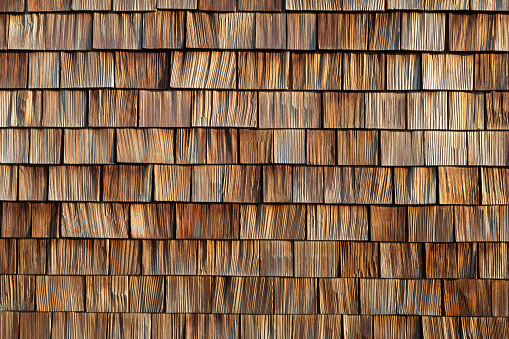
320	147
61	26
495	186
33	183
224	109
448	5
394	144
289	146
357	147
188	294
207	184
466	110
289	109
220	30
215	221
447	72
359	260
117	31
238	258
317	71
64	108
220	5
259	70
127	183
26	31
363	5
458	185
385	110
31	256
423	31
146	294
45	146
500	307
20	108
14	67
172	183
152	221
489	5
45	220
313	5
441	261
13	6
458	302
125	257
302	32
255	146
93	220
16	218
48	5
493	261
471	32
9	180
138	325
18	292
401	260
343	31
270	31
343	110
361	185
165	109
32	324
403	72
487	148
280	222
169	257
91	5
177	4
358	326
191	146
276	258
14	145
338	296
222	146
445	148
214	70
490	72
163	29
260	5
308	184
134	5
388	223
74	183
277	183
441	326
78	257
415	185
88	146
497	110
212	325
479	223
44	70
300	325
141	70
79	324
384	32
9	256
107	294
60	293
87	69
112	108
144	145
430	223
362	71
295	296
244	184
327	222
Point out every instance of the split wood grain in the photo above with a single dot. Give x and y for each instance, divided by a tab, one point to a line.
144	145
14	145
60	293
402	148
222	146
401	260
295	296
224	109
146	294
219	5
343	110
78	257
18	293
445	148
44	70
458	185
117	31
45	146
107	293
363	5
328	222
112	108
280	222
33	324
362	71
495	186
357	326
497	110
9	181
423	31
441	326
141	70
313	5
343	31
490	72
289	146
403	72
172	183
74	183
493	261
87	70
270	31
415	185
191	145
289	109
320	147
20	108
430	224
312	71
4	31
33	183
134	5
163	29
137	324
459	302
188	294
466	110
399	326
177	4
448	5
26	32
9	256
385	31
45	220
94	220
359	260
59	27
260	5
13	6
207	221
276	258
277	183
308	184
214	70
302	31
388	223
259	70
487	148
489	5
238	258
125	257
474	32
165	109
152	221
14	67
479	223
385	110
448	72
498	297
91	5
64	108
427	110
170	257
338	296
48	5
441	261
89	146
302	325
477	326
357	147
256	146
212	325
16	219
127	183
32	256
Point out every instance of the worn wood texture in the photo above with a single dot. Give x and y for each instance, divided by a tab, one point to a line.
259	70
87	69
141	70
312	71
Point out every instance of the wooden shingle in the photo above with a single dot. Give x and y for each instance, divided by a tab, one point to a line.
14	67
421	31
270	31
14	145
328	222
312	5
125	257
302	32
16	219
117	31
493	262
149	145
343	31
87	69
459	301
141	70
32	324
220	30
312	71
295	296
152	221
415	185
107	294
93	220
59	27
255	146
217	5
458	185
207	185
401	260
224	109
490	72
430	224
165	109
384	32
177	4
388	223
403	72
112	108
44	70
277	183
289	109
282	222
163	29
499	289
495	186
134	5
136	324
207	221
289	146
9	182
500	35
9	256
188	294
488	5
260	5
91	5
363	5
356	147
308	184
402	148
446	5
445	148
479	223
276	258
172	183
320	147
222	146
146	294
447	72
466	110
79	324
88	146
441	261
78	257
259	70
488	148
4	31
497	110
338	296
343	110
20	108
26	31
427	110
45	146
356	326
191	146
359	259
214	70
74	183
212	325
33	183
45	220
31	256
127	183
385	110
18	294
64	108
48	5
239	258
316	258
397	326
363	71
361	185
242	184
13	6
169	257
472	32
484	326
60	293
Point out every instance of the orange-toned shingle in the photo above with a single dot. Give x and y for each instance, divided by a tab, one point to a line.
338	296
148	145
289	109
152	221
224	109
282	222
172	183
415	185
112	108
87	69
308	184
388	223
458	185
33	183
430	223
14	70
88	146
78	257
94	220
311	71
238	258
207	221
60	293
259	70
343	110
163	29
141	70
302	32
343	31
127	183
360	259
401	260
270	30
356	147
44	70
117	31
277	183
165	109
68	31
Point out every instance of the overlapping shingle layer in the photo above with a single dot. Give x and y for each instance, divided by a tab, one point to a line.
254	168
